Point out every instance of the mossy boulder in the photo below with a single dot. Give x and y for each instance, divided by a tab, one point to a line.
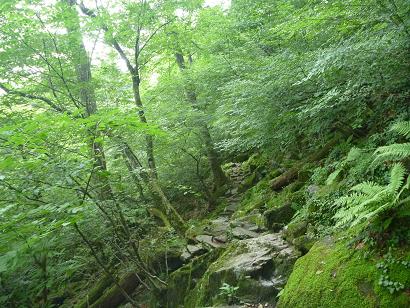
162	251
248	182
254	198
183	280
295	229
276	218
304	243
333	275
256	163
259	268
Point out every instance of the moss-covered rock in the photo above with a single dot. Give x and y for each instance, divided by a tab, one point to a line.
278	217
162	251
295	229
258	163
258	267
334	275
304	243
183	280
255	198
248	182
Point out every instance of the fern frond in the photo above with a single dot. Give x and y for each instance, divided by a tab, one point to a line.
405	187
395	151
354	154
397	177
368	188
403	128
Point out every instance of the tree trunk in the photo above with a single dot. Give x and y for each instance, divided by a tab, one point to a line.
159	196
149	142
219	177
151	176
87	99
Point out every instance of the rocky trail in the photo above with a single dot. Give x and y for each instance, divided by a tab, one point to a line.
254	260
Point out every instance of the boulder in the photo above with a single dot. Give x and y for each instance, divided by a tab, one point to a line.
183	280
243	233
332	274
192	251
295	229
303	243
278	217
259	267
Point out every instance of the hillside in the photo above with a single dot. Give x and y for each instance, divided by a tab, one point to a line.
205	153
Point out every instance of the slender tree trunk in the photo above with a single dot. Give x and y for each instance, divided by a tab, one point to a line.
159	196
87	100
151	177
219	177
149	142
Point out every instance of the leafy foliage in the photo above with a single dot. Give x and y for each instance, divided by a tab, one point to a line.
100	125
370	200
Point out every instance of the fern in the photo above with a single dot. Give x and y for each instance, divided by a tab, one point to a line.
397	175
403	128
397	151
370	200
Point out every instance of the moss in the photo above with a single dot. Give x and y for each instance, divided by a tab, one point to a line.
255	198
274	173
248	182
183	280
96	291
304	243
163	245
206	291
257	162
295	229
278	217
114	296
333	275
261	197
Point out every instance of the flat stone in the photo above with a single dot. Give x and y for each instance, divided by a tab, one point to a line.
209	240
217	226
191	251
242	233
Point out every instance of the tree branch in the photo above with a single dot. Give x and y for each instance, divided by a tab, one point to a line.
32	96
113	42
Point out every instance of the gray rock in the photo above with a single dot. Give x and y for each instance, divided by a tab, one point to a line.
191	251
209	240
217	226
312	189
243	233
259	266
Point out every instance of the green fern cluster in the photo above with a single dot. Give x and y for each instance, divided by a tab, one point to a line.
370	200
397	151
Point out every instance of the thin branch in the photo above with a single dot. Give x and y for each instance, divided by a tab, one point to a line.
32	96
113	42
153	34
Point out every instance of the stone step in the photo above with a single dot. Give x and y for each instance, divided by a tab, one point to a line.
209	240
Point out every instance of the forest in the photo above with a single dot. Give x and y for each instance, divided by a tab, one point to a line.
205	153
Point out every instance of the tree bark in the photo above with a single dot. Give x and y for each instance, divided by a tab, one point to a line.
219	177
151	176
149	142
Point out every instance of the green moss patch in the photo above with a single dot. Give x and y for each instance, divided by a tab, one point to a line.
333	275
